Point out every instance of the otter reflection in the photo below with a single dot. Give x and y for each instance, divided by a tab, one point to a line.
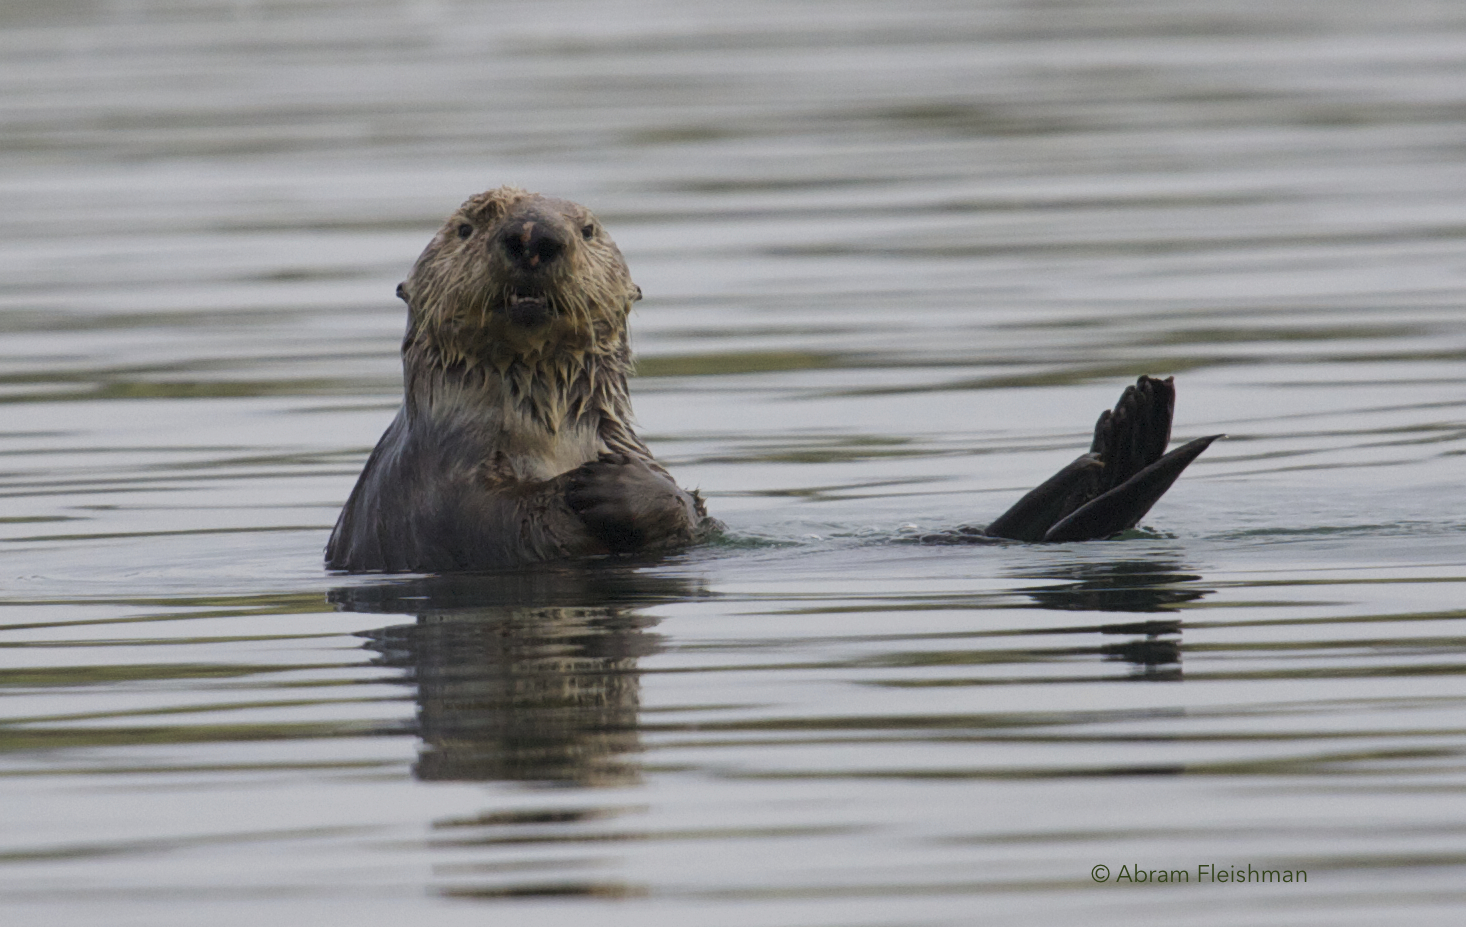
1143	586
522	676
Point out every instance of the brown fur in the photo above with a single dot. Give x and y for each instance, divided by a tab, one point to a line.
514	444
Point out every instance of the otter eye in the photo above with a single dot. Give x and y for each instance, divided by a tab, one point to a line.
588	231
465	230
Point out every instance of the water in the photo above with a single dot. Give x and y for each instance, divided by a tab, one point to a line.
896	258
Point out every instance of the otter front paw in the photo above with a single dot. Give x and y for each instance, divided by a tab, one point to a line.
630	506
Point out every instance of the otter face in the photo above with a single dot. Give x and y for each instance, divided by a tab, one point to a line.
514	275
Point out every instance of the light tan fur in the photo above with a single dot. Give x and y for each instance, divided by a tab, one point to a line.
515	441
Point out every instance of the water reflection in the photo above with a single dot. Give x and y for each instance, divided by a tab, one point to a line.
526	676
1154	647
1117	586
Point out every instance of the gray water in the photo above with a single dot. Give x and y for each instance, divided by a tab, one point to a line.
896	258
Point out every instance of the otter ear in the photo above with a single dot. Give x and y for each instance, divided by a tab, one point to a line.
402	292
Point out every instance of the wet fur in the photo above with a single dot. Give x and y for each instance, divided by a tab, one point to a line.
514	444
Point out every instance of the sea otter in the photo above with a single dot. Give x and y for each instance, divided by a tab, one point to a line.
514	443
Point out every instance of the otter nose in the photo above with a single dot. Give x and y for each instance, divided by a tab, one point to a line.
532	243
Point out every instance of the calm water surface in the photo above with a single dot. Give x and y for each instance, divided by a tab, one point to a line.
896	257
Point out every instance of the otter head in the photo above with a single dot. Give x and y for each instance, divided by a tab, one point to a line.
518	279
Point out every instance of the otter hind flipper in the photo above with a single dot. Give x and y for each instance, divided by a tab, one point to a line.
1056	498
1121	508
1111	488
1134	434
